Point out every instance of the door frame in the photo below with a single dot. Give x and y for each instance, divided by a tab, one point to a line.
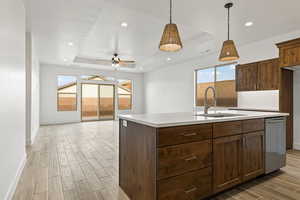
98	92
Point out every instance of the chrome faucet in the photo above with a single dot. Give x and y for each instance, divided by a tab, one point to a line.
206	106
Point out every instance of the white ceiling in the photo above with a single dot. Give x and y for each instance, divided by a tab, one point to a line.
94	27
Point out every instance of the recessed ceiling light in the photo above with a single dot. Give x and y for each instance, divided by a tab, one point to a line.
71	44
124	24
65	60
248	24
169	59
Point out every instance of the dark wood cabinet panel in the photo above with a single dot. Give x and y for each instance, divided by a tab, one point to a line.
179	159
183	134
287	103
137	166
253	125
227	162
268	75
227	129
246	77
253	155
190	186
289	53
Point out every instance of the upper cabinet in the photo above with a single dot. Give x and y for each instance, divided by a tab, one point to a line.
263	75
289	53
246	77
268	75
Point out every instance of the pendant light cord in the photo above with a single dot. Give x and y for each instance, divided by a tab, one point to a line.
171	11
228	21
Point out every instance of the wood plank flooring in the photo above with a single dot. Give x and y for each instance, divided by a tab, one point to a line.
80	162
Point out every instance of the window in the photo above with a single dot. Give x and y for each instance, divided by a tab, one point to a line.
222	78
66	93
125	94
93	78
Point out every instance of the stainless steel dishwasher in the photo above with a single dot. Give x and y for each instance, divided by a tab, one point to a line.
275	143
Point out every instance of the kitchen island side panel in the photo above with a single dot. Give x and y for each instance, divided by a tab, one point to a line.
137	160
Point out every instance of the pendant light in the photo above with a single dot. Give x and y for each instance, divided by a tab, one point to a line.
228	52
170	40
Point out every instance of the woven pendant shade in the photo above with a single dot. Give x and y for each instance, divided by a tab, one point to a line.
228	52
170	40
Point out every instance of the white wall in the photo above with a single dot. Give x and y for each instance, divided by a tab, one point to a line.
12	87
171	88
296	109
35	91
48	89
32	90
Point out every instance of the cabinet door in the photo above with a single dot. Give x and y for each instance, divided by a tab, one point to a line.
246	77
227	159
290	56
253	155
268	75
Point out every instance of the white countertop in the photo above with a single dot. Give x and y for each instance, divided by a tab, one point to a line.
179	119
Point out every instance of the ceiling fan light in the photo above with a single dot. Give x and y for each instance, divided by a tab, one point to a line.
229	51
170	40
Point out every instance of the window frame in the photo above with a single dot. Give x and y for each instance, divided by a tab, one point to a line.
131	96
215	78
76	95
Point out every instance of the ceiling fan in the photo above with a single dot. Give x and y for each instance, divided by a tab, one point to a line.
114	61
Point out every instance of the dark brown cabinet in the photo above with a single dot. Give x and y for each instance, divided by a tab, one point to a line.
289	53
240	157
179	159
263	75
190	162
289	56
268	75
246	77
227	162
253	155
191	186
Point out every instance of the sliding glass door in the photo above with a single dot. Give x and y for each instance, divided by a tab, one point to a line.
97	102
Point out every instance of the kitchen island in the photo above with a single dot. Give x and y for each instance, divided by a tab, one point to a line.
186	156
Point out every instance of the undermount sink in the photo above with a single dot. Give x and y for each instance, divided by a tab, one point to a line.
219	115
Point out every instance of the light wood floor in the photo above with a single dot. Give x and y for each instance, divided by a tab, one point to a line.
80	162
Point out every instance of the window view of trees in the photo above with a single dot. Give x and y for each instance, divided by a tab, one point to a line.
66	93
222	78
125	94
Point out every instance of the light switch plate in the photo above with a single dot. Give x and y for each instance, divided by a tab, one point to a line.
124	122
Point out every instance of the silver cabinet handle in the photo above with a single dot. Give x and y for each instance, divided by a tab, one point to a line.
189	134
190	190
191	158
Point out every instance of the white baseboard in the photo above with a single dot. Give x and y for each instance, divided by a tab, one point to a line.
296	146
58	123
13	186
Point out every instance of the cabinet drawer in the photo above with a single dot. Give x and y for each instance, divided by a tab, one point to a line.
183	134
178	159
227	129
190	186
253	125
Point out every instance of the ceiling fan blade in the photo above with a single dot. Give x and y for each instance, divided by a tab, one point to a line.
94	61
129	64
